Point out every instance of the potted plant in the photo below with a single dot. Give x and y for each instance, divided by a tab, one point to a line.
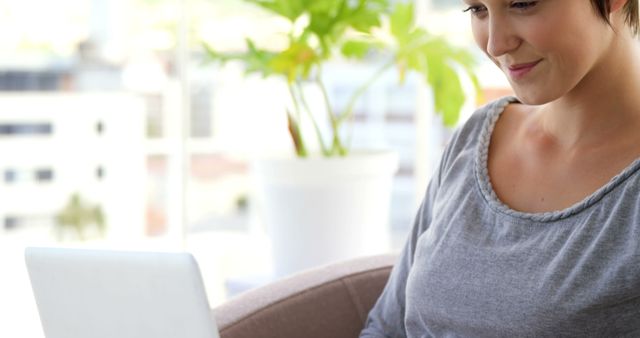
333	203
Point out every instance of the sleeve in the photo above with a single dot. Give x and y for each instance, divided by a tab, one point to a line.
386	319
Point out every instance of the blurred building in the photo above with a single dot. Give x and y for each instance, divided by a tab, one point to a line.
57	145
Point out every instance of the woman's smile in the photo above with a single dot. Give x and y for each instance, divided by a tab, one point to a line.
520	70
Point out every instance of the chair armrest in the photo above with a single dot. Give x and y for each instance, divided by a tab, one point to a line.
329	301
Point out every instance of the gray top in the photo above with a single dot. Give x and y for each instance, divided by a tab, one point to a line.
473	267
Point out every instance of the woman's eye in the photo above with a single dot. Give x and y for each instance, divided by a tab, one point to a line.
523	5
475	10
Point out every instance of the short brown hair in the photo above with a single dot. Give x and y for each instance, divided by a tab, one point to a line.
630	10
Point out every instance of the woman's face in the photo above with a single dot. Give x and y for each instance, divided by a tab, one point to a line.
546	48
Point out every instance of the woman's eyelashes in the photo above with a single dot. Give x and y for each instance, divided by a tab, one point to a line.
521	6
475	9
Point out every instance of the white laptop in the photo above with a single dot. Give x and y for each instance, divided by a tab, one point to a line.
108	294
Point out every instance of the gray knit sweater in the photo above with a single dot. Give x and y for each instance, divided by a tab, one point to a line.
473	267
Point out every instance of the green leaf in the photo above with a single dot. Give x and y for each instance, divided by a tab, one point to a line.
290	9
363	15
294	62
358	49
434	58
215	56
363	21
331	8
330	19
402	21
321	24
449	96
448	92
256	60
327	23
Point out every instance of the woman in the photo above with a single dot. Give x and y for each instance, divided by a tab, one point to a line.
530	227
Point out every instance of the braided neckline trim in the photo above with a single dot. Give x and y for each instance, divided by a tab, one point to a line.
482	174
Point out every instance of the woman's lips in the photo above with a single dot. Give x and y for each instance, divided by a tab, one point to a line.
518	71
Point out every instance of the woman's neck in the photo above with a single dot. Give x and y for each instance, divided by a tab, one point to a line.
605	103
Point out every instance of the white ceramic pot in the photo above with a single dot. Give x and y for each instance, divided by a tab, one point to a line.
320	210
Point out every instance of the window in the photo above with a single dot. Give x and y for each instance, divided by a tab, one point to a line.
15	222
99	127
12	129
201	111
28	175
99	173
154	121
20	80
10	175
44	175
14	175
10	223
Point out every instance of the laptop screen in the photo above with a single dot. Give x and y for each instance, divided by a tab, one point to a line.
98	293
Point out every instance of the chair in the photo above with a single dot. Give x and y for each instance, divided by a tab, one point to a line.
326	302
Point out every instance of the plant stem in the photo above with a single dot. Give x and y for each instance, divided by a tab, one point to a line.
296	106
323	148
362	89
336	145
348	113
294	126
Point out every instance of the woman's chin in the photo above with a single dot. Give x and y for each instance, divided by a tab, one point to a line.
534	98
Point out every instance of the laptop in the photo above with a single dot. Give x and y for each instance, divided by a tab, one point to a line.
107	294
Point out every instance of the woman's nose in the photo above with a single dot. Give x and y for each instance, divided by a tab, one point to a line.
502	38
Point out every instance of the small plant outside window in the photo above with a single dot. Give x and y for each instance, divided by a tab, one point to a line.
80	217
322	30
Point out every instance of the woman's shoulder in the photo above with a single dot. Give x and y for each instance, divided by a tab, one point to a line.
491	111
479	125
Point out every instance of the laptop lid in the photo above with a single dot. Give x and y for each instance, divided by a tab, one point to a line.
99	294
